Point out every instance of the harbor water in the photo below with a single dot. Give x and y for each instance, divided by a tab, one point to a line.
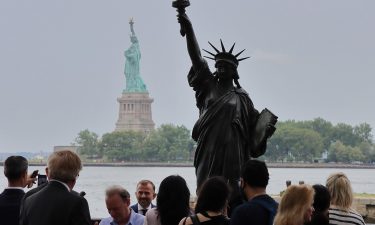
94	180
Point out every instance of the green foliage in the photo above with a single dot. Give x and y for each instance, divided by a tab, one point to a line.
300	144
363	131
302	141
307	140
166	143
338	152
122	145
88	143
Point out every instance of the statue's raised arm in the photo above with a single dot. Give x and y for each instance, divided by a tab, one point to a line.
131	22
187	29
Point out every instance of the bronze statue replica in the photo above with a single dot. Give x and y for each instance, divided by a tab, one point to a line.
229	130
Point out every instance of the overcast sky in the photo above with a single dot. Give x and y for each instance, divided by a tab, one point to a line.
62	62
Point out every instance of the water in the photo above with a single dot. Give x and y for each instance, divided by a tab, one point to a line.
94	180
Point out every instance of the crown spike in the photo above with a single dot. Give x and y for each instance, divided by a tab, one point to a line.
222	45
231	49
243	58
209	57
209	52
217	51
239	53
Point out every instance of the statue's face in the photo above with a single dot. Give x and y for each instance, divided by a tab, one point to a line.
224	70
133	39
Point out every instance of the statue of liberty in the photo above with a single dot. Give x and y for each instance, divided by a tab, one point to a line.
134	82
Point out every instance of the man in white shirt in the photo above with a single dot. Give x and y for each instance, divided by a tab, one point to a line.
118	201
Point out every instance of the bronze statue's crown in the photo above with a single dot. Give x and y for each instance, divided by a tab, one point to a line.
224	55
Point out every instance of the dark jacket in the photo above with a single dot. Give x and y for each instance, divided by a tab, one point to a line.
10	201
260	210
135	207
54	204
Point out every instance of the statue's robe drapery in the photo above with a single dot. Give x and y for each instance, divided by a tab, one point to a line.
134	82
225	129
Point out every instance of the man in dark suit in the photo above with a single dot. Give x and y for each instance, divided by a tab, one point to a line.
145	194
55	203
15	170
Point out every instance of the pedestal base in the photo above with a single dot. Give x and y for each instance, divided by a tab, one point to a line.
135	112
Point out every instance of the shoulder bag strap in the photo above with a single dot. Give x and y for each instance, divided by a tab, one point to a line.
194	219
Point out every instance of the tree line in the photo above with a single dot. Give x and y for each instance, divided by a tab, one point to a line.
167	143
318	139
293	141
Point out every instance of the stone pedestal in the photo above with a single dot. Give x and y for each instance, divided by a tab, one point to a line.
135	112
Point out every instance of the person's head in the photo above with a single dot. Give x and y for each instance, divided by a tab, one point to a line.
64	166
15	170
340	190
254	177
295	206
117	200
173	200
321	205
213	195
255	173
321	198
145	193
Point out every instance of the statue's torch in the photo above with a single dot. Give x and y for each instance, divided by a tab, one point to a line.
180	5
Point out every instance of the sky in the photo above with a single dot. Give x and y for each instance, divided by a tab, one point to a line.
62	62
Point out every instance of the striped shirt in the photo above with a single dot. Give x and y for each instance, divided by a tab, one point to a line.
341	217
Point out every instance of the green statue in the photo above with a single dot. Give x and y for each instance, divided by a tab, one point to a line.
134	82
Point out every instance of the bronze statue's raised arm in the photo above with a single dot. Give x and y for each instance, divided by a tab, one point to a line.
192	43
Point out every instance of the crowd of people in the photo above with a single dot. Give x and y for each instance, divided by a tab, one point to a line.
55	202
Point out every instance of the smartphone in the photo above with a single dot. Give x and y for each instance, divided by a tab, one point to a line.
34	174
95	221
42	179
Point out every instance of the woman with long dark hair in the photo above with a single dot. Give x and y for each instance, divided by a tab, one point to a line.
211	204
172	202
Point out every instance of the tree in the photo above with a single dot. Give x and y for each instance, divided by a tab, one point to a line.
295	142
324	128
363	131
305	144
344	133
123	145
367	149
168	142
278	148
338	152
88	143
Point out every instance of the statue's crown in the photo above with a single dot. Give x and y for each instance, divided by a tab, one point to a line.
225	56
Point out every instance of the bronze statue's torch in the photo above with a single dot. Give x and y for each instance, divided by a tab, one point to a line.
180	5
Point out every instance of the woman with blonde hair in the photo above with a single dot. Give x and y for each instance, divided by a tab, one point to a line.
295	206
340	211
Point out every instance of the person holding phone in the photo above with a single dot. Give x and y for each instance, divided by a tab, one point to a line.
56	203
15	170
